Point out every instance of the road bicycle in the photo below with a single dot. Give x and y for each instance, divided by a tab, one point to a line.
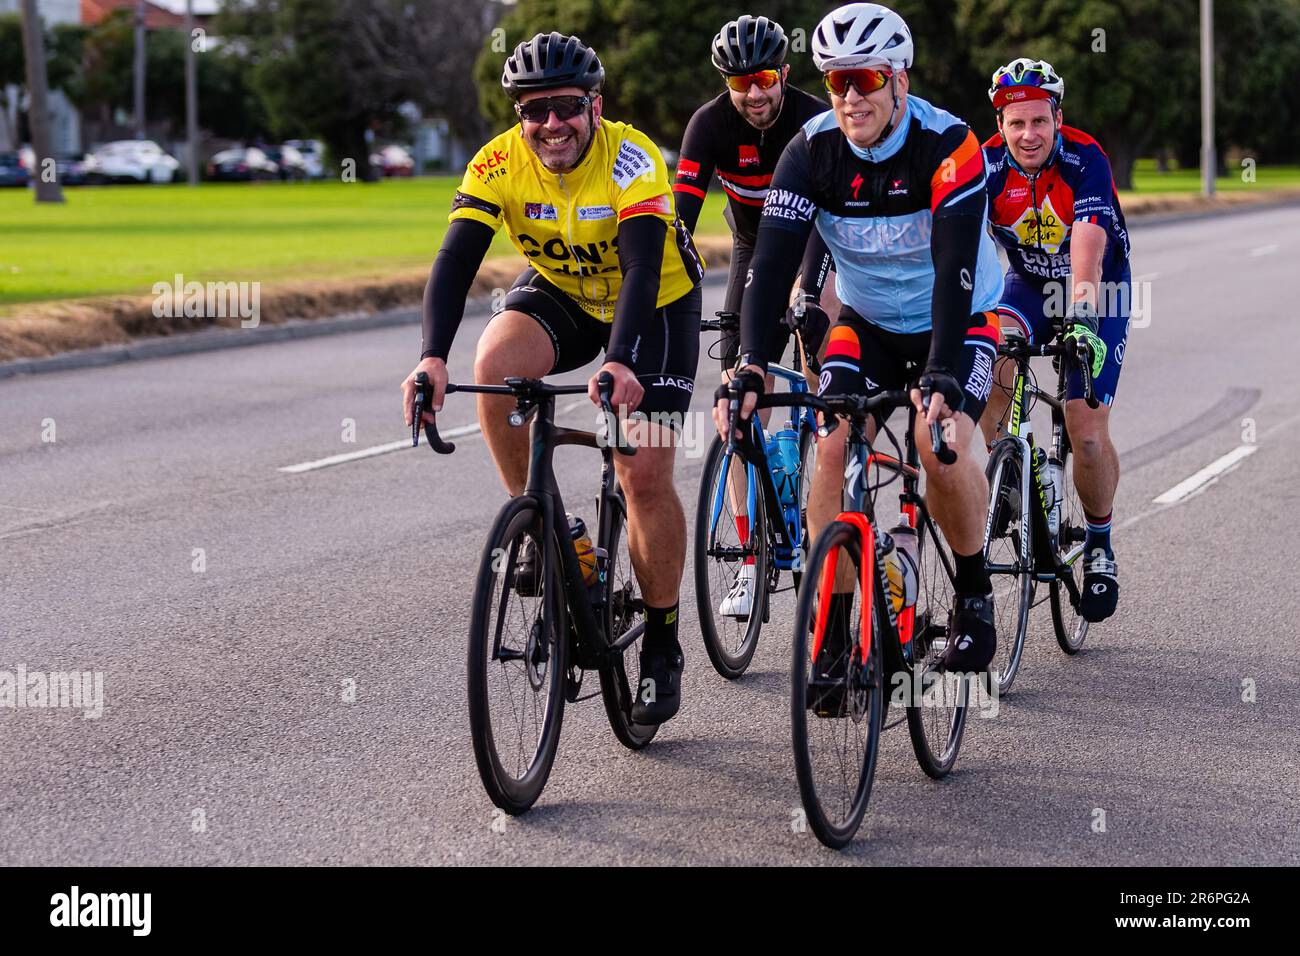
840	702
768	534
1036	527
536	627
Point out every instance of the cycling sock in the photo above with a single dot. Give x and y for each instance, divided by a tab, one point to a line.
1098	533
838	629
972	576
661	628
742	529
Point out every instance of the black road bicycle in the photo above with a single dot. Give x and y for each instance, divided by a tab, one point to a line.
1036	527
537	627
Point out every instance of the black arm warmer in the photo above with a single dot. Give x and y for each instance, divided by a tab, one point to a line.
817	266
454	268
688	208
771	272
640	257
954	248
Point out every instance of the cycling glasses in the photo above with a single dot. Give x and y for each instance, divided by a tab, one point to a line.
766	79
564	107
863	80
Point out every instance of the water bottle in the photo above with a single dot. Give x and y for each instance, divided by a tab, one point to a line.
1057	475
1047	482
787	446
902	565
586	552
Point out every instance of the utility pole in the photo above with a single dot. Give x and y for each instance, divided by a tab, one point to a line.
1208	156
191	99
140	9
48	188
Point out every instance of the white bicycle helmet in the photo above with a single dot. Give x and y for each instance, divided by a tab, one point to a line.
1025	79
862	35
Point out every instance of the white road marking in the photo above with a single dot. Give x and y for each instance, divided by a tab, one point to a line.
372	451
1206	475
1264	250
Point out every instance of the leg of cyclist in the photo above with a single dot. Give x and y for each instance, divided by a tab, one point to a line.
957	496
1096	463
514	343
665	368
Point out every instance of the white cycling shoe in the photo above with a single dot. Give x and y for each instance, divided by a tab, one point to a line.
740	599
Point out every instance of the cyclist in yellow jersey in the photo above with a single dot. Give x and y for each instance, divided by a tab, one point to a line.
589	203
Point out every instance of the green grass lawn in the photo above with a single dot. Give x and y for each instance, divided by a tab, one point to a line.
1147	180
123	239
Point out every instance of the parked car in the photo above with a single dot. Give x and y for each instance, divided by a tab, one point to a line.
12	170
242	165
131	160
313	155
394	161
291	162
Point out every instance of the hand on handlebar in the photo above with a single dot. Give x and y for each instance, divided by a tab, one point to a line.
436	369
627	393
735	400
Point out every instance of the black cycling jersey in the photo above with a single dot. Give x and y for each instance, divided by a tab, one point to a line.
718	139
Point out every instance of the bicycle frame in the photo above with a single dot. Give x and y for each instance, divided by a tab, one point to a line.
788	534
1047	567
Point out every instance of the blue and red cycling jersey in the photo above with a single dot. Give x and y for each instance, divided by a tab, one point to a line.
1033	217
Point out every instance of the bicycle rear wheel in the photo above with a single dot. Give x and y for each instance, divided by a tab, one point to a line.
624	623
937	701
517	657
719	557
836	744
1008	555
1070	626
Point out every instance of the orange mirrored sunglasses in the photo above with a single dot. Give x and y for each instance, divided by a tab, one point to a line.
864	81
766	79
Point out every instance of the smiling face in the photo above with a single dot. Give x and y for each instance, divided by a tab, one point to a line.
559	143
760	107
864	118
1030	131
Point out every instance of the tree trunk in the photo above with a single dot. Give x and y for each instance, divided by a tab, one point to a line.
48	188
1122	157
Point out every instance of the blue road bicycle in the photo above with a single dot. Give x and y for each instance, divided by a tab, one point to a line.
751	522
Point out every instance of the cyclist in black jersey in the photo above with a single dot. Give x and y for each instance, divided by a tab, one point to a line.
740	134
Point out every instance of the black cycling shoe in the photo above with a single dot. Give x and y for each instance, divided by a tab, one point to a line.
659	688
1100	586
827	687
526	580
972	635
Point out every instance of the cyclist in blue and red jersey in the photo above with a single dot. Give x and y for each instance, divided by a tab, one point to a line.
1053	207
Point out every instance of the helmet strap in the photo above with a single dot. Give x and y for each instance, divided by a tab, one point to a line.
893	116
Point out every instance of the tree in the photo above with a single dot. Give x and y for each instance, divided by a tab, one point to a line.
1129	68
47	187
338	68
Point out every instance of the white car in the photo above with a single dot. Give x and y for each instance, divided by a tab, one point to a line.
141	160
313	155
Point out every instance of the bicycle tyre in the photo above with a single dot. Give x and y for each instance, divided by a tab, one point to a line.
516	791
1010	527
623	612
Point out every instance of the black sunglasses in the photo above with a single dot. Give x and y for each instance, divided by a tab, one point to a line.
564	107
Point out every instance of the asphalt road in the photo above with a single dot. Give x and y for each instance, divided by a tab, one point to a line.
233	609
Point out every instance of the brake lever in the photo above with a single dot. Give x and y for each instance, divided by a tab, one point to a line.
941	450
605	389
422	397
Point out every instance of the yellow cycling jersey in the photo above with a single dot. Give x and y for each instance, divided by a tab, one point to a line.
567	223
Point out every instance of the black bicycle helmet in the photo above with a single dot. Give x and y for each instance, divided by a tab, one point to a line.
551	60
748	45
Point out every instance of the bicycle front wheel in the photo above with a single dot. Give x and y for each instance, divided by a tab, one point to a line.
722	555
836	700
1008	556
518	652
